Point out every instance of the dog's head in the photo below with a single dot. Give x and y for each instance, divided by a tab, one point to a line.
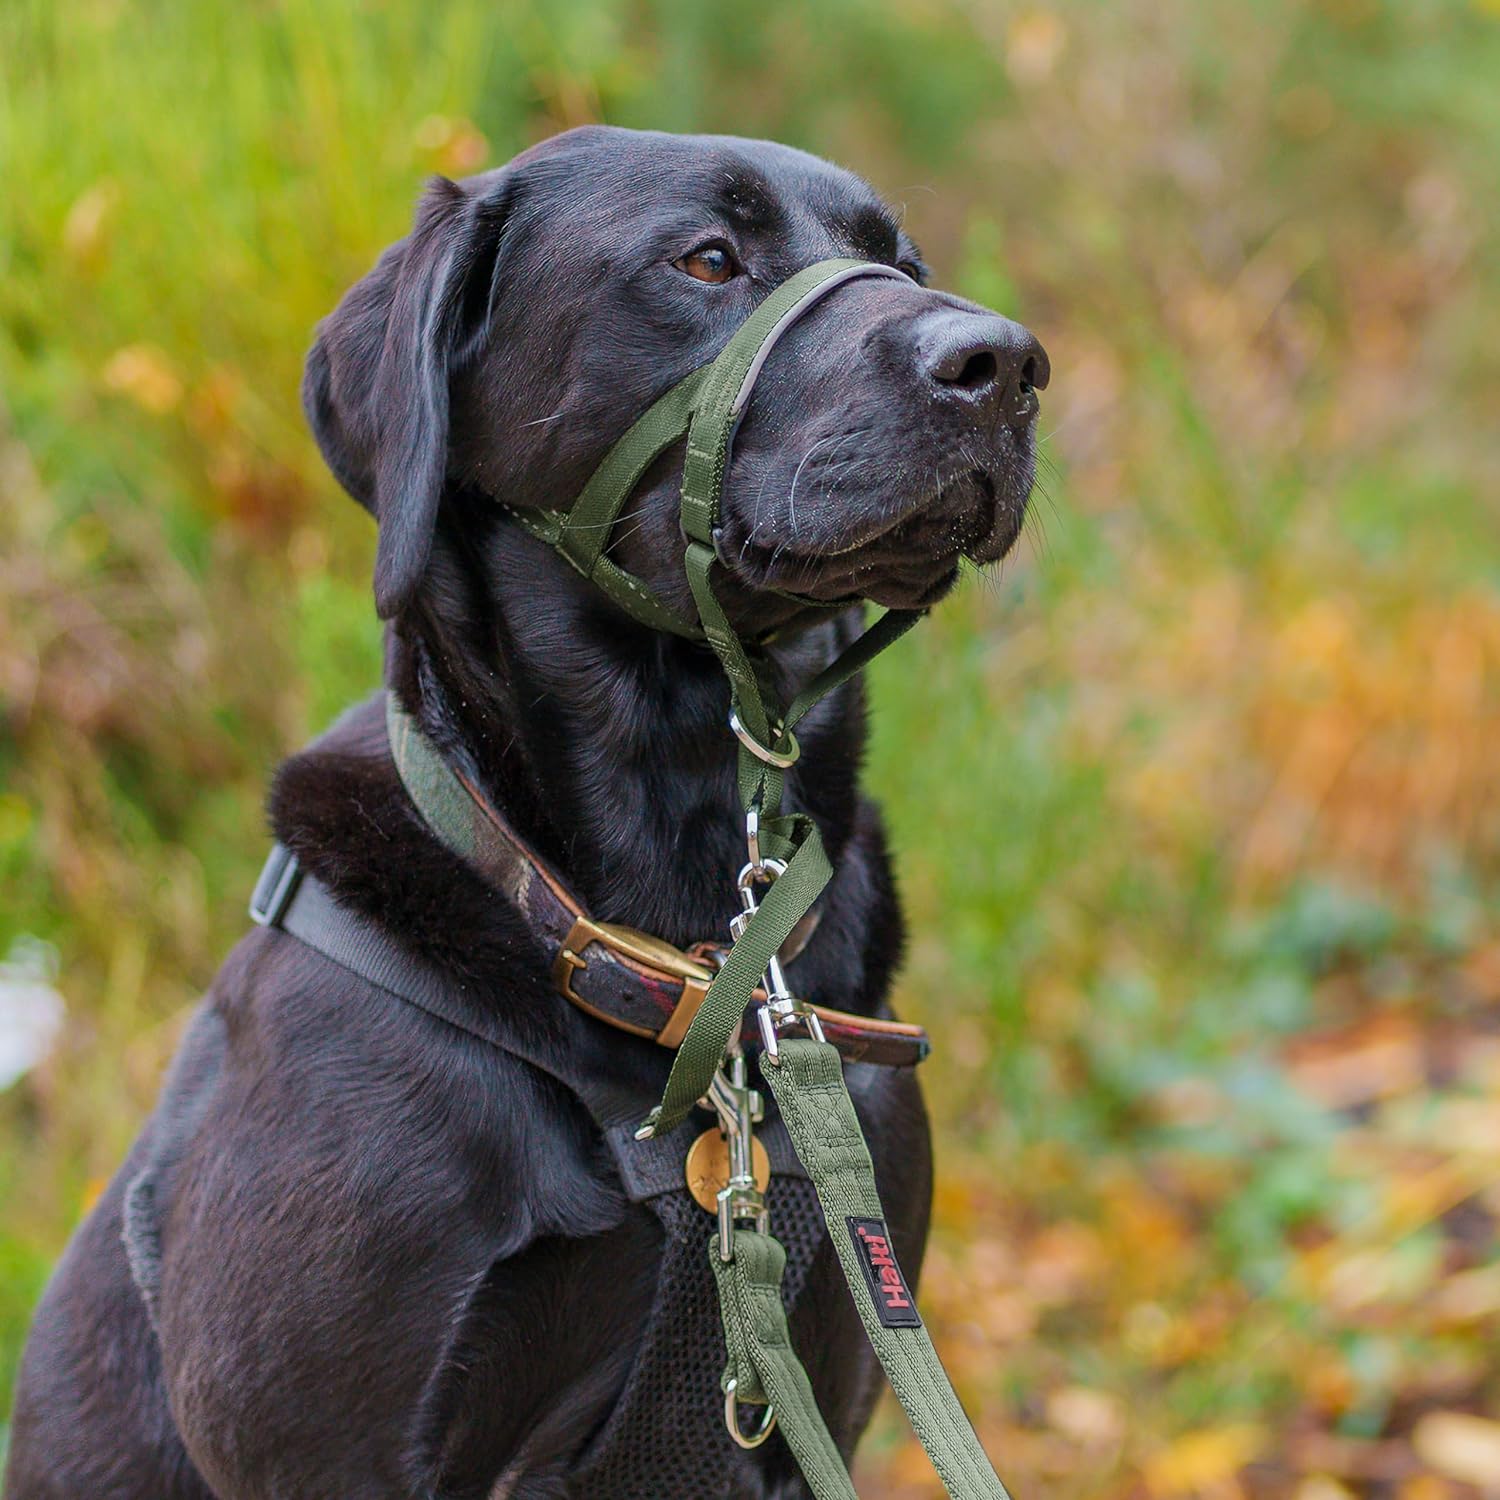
536	311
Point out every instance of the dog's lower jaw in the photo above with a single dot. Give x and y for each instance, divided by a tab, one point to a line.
911	562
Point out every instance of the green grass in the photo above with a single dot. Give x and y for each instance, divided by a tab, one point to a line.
1194	799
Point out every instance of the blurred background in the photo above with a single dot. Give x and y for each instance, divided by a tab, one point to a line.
1195	799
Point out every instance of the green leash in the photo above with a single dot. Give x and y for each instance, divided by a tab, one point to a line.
809	1087
786	871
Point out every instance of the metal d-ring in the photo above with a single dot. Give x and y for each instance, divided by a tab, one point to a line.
732	1420
781	759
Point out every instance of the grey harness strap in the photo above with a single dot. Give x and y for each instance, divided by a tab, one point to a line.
594	1070
664	1434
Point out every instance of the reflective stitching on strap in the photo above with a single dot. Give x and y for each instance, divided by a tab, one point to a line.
804	304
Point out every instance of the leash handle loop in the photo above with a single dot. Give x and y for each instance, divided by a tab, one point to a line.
808	1083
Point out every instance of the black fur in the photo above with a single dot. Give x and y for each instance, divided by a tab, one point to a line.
387	1259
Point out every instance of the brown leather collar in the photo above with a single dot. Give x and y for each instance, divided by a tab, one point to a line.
626	978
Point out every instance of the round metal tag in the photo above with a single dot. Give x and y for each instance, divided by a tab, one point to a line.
707	1168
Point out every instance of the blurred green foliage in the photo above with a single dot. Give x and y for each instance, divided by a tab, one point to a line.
1196	802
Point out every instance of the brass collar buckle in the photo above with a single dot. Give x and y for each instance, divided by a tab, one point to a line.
628	943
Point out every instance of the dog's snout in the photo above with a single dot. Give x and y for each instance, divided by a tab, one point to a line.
986	361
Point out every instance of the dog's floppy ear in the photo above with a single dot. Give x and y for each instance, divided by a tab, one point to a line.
377	380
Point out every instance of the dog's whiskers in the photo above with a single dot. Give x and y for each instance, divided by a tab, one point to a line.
791	498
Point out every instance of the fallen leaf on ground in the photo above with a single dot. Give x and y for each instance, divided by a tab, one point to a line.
1087	1416
1198	1460
1461	1446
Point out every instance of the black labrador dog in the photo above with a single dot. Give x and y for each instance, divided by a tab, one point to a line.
385	1258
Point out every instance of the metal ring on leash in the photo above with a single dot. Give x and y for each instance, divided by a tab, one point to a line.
732	1420
781	759
766	869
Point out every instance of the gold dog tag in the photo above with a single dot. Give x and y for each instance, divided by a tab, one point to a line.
707	1168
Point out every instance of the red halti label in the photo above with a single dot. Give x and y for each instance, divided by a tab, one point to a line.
888	1289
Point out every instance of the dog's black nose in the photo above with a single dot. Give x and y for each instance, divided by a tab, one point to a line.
984	360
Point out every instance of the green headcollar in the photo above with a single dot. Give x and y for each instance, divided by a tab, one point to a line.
707	407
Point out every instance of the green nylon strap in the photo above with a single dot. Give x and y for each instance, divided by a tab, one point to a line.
724	397
792	837
582	534
744	686
760	782
585	531
813	1098
717	408
710	401
763	1364
886	631
717	412
718	1018
722	1008
627	591
441	798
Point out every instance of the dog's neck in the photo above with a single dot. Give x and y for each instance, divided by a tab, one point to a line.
604	744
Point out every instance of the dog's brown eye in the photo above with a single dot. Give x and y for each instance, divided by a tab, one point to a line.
712	263
909	268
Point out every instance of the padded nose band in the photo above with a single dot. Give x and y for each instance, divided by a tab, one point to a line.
730	379
805	303
707	408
